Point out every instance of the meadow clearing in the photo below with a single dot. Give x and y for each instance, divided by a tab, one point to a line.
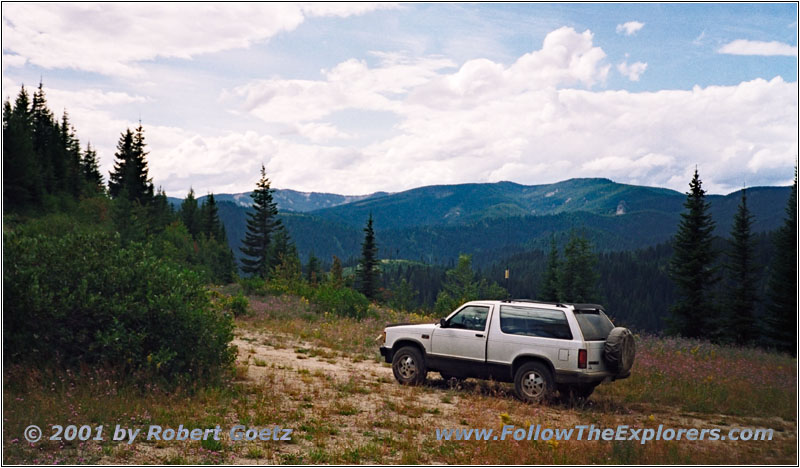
320	374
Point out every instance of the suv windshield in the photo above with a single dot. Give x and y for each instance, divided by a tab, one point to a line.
594	324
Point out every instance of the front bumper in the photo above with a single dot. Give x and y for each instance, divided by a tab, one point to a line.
386	353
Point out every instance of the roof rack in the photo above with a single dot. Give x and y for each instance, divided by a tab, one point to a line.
588	306
557	304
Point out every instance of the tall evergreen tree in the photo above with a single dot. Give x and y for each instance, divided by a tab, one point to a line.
741	285
190	214
90	169
262	220
691	268
210	224
577	277
368	266
281	246
313	270
336	273
45	143
71	157
781	318
130	169
549	286
22	173
162	212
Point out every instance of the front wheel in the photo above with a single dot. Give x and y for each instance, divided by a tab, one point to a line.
534	383
408	366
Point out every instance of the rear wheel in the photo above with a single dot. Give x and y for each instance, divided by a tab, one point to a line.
534	383
408	366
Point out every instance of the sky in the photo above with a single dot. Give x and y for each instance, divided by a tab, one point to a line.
356	98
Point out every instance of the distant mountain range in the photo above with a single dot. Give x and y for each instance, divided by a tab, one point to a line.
436	223
289	200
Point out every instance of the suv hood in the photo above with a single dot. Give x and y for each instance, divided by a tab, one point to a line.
407	328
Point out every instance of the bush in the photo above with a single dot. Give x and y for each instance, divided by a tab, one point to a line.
253	286
78	297
238	305
343	302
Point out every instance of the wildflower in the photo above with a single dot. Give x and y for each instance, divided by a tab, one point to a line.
651	418
505	418
552	443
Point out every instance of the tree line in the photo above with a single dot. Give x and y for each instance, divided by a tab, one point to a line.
46	171
718	301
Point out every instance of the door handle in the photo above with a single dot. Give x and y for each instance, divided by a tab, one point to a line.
479	335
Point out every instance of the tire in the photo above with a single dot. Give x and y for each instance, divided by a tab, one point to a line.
619	351
533	383
408	366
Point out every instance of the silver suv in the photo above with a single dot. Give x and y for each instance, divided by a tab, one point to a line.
542	347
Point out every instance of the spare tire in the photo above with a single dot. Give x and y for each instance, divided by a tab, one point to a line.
619	351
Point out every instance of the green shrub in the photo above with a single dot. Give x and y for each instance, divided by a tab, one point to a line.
253	286
239	305
78	297
343	302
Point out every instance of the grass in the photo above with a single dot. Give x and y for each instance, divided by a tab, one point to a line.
364	417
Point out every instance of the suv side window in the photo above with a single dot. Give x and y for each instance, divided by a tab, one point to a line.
470	318
529	321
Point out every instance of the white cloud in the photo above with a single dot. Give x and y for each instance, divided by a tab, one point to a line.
745	47
535	120
632	71
113	38
319	132
12	60
630	28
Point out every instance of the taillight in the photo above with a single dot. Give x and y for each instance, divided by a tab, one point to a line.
582	359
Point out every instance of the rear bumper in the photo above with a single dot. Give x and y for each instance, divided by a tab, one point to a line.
574	377
386	353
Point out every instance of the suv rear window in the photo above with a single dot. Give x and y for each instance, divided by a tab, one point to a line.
594	324
529	321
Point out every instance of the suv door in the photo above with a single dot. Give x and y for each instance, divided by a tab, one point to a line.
464	336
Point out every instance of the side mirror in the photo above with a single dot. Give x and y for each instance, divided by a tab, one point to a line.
443	323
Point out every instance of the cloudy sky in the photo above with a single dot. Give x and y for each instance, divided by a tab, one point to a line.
356	98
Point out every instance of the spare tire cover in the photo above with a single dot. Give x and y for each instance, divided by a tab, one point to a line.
620	350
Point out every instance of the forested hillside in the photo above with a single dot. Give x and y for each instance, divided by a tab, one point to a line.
487	234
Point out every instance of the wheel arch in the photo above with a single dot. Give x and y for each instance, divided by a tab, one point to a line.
519	361
403	342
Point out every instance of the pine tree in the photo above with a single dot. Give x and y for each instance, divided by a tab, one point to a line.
281	246
461	285
162	214
781	318
130	169
141	184
90	170
210	224
368	266
45	143
336	273
741	294
124	153
70	150
313	270
261	222
549	287
22	173
578	278
190	214
691	268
